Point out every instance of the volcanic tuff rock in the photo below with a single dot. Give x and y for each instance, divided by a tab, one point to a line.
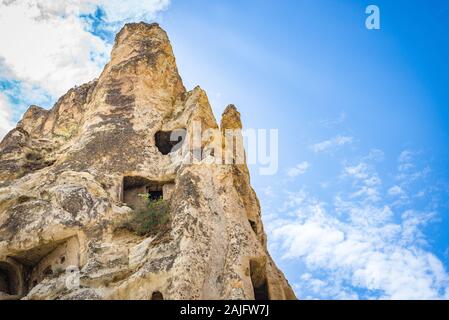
71	177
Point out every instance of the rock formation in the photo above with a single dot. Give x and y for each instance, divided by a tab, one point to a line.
72	177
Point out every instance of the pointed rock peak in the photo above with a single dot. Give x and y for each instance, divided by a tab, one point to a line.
33	112
230	119
142	64
33	118
35	109
141	38
231	109
142	31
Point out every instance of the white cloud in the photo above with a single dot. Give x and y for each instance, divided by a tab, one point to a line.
359	171
5	116
365	180
405	156
395	191
375	155
119	10
300	169
332	143
47	44
329	287
358	246
408	172
331	123
364	253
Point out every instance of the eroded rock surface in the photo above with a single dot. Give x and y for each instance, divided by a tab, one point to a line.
66	175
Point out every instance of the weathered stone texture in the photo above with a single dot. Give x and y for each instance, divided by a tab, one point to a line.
62	205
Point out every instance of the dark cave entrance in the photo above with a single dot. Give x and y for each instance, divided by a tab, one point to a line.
253	225
259	279
169	141
9	281
26	269
154	192
157	295
138	190
4	282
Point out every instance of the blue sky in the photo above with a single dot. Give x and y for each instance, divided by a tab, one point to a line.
359	207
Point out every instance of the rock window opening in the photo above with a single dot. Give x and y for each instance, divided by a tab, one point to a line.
259	279
157	296
41	262
169	141
4	283
9	282
138	190
154	192
253	226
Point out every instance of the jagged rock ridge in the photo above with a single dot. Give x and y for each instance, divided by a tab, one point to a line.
70	178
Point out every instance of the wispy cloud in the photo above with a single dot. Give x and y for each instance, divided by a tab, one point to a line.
396	191
47	47
331	143
358	246
5	116
407	171
299	169
374	155
58	47
365	181
331	123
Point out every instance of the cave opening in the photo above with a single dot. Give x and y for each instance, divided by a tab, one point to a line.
253	225
20	273
4	282
138	190
259	279
9	282
47	260
157	295
154	192
169	141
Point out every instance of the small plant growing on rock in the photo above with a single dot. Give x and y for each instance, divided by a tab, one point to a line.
154	219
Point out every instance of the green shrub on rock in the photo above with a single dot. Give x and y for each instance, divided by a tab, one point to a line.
152	220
